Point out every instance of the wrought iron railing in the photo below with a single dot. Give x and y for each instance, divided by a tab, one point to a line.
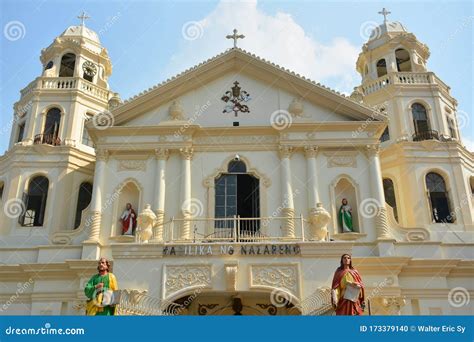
234	229
48	139
426	135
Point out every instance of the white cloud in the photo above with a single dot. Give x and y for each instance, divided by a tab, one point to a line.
277	38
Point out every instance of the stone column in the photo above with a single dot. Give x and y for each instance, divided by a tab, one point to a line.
288	207
96	201
29	135
311	169
161	155
375	174
318	216
186	156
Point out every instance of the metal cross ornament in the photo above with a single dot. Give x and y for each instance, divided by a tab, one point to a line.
234	99
384	12
83	17
235	36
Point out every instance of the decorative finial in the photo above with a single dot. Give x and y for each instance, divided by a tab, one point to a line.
235	36
384	12
83	17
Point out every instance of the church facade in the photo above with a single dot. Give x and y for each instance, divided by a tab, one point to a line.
248	182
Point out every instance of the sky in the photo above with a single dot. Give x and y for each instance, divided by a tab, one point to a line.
149	41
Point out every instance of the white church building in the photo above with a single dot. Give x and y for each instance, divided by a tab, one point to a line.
237	168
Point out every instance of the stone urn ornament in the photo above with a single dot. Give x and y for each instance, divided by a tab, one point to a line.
145	222
319	219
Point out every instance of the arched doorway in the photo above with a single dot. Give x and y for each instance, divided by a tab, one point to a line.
237	194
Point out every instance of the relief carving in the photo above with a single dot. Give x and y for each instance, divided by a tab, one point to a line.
283	277
184	276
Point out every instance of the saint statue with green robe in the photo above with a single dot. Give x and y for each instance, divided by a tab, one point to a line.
95	288
345	217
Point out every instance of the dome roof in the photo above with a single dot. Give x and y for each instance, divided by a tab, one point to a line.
82	32
387	27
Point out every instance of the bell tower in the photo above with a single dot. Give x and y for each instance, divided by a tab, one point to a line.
426	170
393	66
72	88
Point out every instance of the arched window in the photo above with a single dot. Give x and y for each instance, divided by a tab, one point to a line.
237	194
403	60
68	62
381	68
438	197
471	184
51	127
389	191
35	202
49	65
236	166
420	119
83	200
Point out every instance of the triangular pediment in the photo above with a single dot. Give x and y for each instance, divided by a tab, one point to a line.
270	93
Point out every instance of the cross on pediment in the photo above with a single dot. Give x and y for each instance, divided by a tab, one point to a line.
235	36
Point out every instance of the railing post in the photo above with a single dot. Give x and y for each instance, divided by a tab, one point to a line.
302	227
172	228
234	233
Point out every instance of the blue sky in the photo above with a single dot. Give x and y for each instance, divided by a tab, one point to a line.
148	41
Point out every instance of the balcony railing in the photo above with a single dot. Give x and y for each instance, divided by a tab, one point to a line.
48	139
402	78
65	83
235	229
426	135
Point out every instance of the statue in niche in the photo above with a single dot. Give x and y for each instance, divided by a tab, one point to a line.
129	220
345	217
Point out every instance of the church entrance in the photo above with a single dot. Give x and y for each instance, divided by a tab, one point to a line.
237	195
232	304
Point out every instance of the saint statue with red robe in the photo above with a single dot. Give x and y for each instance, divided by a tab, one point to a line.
347	294
129	220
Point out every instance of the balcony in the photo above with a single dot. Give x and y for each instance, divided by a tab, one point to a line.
402	78
426	135
66	83
47	139
235	229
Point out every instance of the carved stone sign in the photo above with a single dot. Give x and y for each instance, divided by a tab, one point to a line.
229	249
